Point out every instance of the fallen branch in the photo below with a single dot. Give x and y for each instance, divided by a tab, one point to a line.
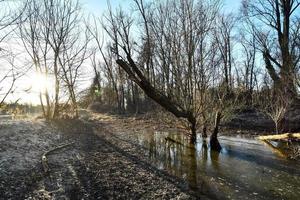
45	159
168	139
174	141
280	136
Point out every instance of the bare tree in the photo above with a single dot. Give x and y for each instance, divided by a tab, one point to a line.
276	28
223	34
8	20
179	36
275	106
112	73
249	49
7	82
95	90
71	59
35	40
56	47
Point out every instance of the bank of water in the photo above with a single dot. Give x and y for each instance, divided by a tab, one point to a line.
244	169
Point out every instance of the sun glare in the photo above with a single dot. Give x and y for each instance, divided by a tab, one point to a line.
39	83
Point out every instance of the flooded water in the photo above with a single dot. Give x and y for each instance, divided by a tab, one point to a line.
244	169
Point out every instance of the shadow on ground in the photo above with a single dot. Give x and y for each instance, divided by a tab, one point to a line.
96	166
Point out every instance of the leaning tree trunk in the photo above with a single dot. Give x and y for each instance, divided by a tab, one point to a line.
204	132
193	138
214	142
137	76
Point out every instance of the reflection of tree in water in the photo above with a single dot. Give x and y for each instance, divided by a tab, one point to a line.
152	146
204	151
205	170
173	153
192	171
198	165
214	157
165	152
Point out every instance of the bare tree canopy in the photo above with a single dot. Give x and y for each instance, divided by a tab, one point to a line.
192	58
276	28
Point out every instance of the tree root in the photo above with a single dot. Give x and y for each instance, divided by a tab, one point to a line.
45	159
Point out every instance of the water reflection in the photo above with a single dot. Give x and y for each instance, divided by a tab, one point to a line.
192	173
244	169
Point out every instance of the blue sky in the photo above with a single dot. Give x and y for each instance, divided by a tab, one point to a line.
98	6
232	5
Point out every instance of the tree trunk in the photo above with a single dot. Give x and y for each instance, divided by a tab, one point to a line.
193	138
56	99
43	107
214	143
204	131
136	76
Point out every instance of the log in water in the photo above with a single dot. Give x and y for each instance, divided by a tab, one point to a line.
280	136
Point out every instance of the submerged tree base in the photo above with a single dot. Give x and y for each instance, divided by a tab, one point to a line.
214	144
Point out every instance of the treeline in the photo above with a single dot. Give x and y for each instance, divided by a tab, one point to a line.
16	109
192	57
200	62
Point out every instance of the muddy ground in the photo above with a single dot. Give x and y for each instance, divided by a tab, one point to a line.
99	163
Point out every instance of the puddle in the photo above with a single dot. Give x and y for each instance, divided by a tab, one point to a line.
244	169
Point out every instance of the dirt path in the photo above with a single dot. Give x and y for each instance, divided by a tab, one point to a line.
99	165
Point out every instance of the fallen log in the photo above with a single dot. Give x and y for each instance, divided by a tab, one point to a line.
45	159
280	136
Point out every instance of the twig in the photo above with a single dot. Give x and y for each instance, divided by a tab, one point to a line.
295	153
44	156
